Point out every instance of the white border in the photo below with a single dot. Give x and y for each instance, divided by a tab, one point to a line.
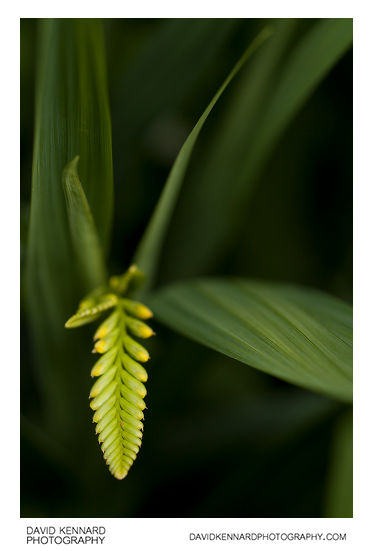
192	8
174	534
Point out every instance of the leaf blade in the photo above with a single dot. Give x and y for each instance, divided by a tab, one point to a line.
72	118
266	326
339	486
83	231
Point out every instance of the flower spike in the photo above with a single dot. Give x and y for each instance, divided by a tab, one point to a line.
118	392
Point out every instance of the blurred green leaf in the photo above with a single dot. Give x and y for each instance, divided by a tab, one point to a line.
148	251
72	118
339	491
161	74
269	95
297	334
48	446
264	421
83	232
165	57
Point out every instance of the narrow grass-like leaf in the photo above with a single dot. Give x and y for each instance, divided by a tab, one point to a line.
88	250
300	335
147	254
269	95
315	55
339	491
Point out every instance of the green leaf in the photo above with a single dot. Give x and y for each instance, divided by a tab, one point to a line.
72	118
83	231
270	93
297	334
315	55
147	254
339	491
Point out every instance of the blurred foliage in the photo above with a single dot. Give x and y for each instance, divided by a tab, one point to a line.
220	439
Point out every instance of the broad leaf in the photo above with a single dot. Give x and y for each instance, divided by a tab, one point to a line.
72	118
297	334
147	254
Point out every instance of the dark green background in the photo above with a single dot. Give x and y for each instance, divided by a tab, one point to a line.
220	439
